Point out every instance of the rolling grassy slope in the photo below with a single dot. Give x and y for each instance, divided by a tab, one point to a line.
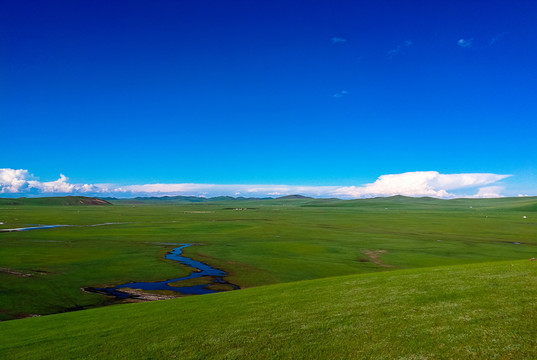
478	311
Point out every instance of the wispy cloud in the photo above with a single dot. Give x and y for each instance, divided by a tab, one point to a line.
405	44
418	183
497	38
340	94
465	43
338	40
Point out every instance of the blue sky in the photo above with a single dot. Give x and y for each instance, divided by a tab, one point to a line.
325	93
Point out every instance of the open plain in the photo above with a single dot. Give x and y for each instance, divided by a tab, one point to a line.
429	277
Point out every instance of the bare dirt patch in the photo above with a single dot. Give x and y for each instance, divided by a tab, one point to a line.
15	272
145	296
374	257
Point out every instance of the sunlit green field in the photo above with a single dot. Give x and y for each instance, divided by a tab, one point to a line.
272	241
478	311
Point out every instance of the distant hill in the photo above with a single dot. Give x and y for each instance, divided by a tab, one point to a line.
400	202
180	199
198	199
389	202
295	197
58	200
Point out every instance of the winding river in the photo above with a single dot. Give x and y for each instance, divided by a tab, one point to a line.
33	228
213	276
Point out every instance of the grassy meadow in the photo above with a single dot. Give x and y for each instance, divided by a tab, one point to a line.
477	311
272	241
378	278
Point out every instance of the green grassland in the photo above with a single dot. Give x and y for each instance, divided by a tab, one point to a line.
267	242
477	311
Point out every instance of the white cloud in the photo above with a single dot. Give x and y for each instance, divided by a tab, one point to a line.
418	183
59	186
489	192
497	38
465	43
338	40
340	94
399	48
21	181
13	181
163	188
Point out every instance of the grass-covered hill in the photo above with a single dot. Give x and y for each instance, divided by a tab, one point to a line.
427	203
156	200
478	311
53	201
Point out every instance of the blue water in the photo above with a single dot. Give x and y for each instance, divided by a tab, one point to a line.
202	270
216	275
33	228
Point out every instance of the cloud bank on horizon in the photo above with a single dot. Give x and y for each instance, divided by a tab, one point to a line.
417	184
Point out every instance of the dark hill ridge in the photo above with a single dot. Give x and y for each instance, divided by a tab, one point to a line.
58	200
179	199
198	199
295	197
391	202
